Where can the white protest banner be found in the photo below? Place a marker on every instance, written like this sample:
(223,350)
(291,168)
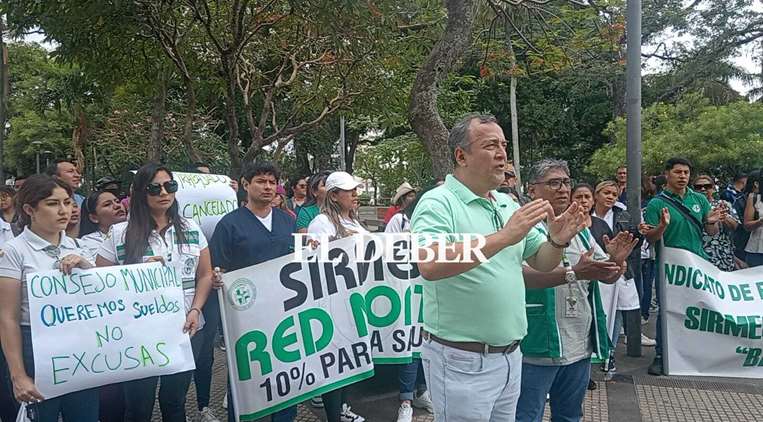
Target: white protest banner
(205,198)
(296,329)
(106,325)
(713,319)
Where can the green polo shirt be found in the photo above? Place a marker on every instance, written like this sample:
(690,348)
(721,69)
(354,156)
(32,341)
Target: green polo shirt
(306,215)
(681,232)
(487,303)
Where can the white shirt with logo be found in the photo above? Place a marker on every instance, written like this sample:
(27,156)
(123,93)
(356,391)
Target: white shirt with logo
(183,257)
(29,253)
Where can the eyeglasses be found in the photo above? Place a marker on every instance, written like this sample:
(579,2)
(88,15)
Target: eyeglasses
(556,184)
(155,189)
(703,186)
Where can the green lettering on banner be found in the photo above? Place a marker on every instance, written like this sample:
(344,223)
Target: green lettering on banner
(691,322)
(362,309)
(56,381)
(258,354)
(281,341)
(670,273)
(327,325)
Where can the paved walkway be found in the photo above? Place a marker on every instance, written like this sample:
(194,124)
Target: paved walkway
(630,396)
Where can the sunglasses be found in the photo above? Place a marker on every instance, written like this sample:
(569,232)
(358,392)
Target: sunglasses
(155,189)
(703,186)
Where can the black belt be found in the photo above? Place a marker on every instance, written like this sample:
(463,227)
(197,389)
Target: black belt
(473,346)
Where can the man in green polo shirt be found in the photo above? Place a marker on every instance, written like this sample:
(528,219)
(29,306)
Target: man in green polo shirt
(677,217)
(474,312)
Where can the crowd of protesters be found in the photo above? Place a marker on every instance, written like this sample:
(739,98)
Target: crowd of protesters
(505,336)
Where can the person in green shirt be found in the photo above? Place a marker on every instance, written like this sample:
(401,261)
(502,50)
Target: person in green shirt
(316,191)
(474,293)
(677,217)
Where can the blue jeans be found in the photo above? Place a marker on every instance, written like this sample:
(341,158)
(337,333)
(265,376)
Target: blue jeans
(565,384)
(411,379)
(647,279)
(202,376)
(474,387)
(80,406)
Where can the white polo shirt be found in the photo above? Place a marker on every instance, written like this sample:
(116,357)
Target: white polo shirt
(6,233)
(91,243)
(184,257)
(29,253)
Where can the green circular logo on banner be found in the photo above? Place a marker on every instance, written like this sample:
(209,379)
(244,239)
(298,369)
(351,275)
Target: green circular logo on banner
(242,294)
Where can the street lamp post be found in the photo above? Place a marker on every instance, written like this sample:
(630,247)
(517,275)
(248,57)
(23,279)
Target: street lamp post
(37,153)
(633,139)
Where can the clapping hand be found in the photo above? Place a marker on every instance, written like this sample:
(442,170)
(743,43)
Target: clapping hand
(620,246)
(588,269)
(525,218)
(566,226)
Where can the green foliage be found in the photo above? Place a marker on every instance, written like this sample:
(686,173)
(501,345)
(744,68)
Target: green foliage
(721,140)
(394,161)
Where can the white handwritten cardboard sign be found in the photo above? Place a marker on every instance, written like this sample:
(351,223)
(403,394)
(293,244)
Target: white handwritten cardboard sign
(106,325)
(205,198)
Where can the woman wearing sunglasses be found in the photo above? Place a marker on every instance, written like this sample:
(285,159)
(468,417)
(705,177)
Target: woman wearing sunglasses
(719,247)
(155,231)
(45,206)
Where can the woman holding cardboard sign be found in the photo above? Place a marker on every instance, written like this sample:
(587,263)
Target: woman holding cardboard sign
(155,231)
(45,206)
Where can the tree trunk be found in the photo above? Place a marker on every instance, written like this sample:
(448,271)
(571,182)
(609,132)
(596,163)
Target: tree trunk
(190,113)
(422,112)
(158,113)
(513,105)
(353,139)
(79,136)
(231,117)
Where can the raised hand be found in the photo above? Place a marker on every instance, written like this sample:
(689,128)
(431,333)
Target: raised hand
(524,219)
(665,218)
(588,269)
(566,226)
(620,246)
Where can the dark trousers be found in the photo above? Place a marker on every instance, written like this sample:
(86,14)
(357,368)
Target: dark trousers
(140,395)
(647,278)
(202,377)
(754,259)
(285,415)
(9,408)
(112,403)
(332,404)
(80,406)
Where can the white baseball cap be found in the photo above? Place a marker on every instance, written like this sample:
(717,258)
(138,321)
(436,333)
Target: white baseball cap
(341,180)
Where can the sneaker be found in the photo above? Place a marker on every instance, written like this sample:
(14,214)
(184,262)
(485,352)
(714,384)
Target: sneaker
(225,401)
(424,401)
(405,413)
(347,415)
(647,342)
(317,402)
(592,385)
(644,321)
(656,367)
(611,367)
(206,415)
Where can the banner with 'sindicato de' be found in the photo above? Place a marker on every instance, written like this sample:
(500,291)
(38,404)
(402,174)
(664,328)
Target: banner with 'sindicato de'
(714,319)
(106,325)
(298,328)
